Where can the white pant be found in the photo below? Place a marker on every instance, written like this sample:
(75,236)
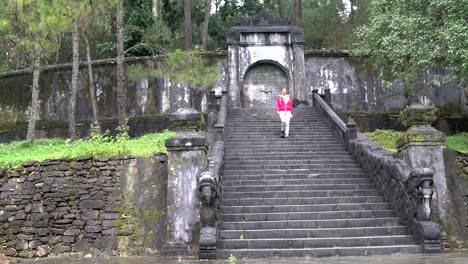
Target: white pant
(285,118)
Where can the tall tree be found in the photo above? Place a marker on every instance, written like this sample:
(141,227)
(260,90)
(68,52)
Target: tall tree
(74,84)
(298,13)
(92,86)
(34,108)
(155,8)
(281,8)
(206,23)
(408,38)
(34,25)
(121,92)
(188,24)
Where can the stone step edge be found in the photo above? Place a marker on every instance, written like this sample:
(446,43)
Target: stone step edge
(314,238)
(305,221)
(320,212)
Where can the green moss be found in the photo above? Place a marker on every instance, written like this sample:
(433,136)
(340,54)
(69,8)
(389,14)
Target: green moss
(16,153)
(458,142)
(387,139)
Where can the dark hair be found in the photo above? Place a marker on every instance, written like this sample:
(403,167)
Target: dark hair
(284,88)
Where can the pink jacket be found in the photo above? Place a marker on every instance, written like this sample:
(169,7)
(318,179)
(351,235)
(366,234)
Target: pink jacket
(281,106)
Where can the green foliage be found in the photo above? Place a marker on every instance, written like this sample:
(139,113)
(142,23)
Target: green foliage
(16,153)
(458,142)
(409,37)
(180,67)
(232,259)
(387,139)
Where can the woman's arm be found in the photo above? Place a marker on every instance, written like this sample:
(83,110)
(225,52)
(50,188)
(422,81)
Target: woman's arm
(292,109)
(277,104)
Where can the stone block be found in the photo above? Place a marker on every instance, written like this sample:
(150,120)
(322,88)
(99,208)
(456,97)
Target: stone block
(92,204)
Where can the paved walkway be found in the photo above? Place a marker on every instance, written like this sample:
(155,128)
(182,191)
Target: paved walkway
(447,258)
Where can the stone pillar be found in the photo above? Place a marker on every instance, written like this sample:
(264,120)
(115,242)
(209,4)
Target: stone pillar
(233,72)
(188,119)
(312,96)
(299,72)
(186,161)
(421,147)
(327,97)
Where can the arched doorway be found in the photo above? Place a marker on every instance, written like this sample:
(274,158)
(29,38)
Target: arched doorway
(262,83)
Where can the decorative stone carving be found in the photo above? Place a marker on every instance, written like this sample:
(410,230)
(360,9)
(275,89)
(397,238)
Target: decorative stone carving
(422,147)
(264,18)
(265,39)
(209,192)
(186,161)
(408,190)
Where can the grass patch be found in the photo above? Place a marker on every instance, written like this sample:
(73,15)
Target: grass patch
(458,142)
(14,154)
(387,139)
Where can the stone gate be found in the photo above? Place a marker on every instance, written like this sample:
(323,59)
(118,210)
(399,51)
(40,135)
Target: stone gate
(261,50)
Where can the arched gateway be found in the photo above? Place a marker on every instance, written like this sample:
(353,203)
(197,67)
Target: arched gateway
(265,53)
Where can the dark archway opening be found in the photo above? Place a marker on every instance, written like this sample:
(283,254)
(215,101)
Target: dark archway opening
(262,83)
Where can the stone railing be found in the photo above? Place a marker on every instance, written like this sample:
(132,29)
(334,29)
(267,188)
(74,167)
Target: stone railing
(408,190)
(210,188)
(344,131)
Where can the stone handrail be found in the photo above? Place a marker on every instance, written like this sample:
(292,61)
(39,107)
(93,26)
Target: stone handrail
(210,188)
(333,120)
(409,191)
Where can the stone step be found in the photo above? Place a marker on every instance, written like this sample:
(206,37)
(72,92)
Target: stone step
(229,172)
(282,157)
(301,200)
(290,147)
(273,127)
(314,233)
(281,166)
(303,193)
(304,208)
(301,224)
(291,162)
(316,242)
(281,142)
(289,151)
(318,252)
(318,176)
(298,187)
(326,215)
(287,181)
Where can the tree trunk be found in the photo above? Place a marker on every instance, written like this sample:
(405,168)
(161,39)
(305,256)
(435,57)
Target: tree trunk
(351,18)
(34,109)
(281,8)
(92,88)
(74,83)
(121,96)
(154,9)
(298,12)
(205,26)
(188,24)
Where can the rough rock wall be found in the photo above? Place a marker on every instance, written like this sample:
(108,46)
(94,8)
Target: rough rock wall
(104,206)
(354,84)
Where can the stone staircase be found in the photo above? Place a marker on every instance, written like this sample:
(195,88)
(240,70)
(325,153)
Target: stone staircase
(297,197)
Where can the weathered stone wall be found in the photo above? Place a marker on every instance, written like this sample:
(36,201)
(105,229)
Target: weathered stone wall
(138,126)
(104,206)
(354,84)
(370,121)
(147,97)
(457,181)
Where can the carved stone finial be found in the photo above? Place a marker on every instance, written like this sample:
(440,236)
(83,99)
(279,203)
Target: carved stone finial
(418,114)
(264,18)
